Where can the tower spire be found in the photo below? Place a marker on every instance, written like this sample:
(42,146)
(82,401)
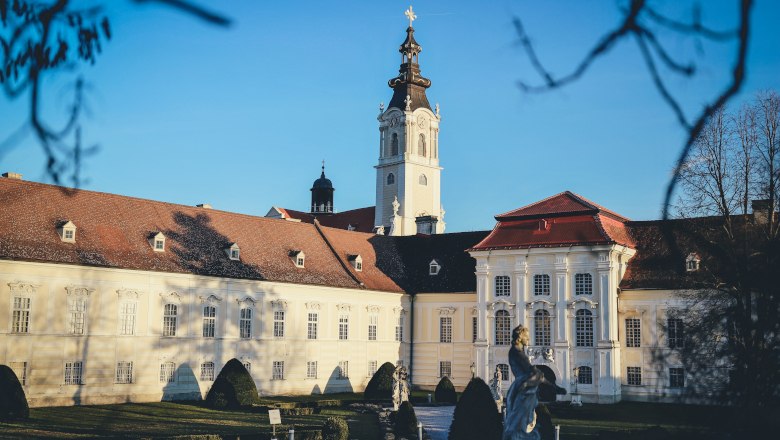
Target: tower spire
(409,82)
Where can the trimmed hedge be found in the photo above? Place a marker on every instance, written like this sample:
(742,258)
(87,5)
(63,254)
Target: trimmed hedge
(476,415)
(13,402)
(445,391)
(380,387)
(335,428)
(405,420)
(233,388)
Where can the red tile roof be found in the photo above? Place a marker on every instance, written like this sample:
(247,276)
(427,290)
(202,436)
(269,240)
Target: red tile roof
(361,219)
(564,219)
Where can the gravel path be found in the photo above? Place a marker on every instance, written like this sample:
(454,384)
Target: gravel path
(435,419)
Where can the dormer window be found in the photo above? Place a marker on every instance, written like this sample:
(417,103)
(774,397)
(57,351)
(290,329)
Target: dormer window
(67,232)
(158,242)
(357,262)
(233,252)
(692,262)
(434,267)
(299,258)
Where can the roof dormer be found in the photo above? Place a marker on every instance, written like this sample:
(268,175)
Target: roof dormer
(67,232)
(298,258)
(357,262)
(692,262)
(233,252)
(434,267)
(157,241)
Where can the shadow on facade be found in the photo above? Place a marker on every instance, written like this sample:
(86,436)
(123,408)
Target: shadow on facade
(338,384)
(184,386)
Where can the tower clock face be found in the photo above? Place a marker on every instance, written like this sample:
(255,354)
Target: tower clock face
(421,121)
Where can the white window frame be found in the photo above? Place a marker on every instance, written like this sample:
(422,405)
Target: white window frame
(445,329)
(158,242)
(692,262)
(77,315)
(247,365)
(503,327)
(542,284)
(128,313)
(373,323)
(311,369)
(277,370)
(633,332)
(585,379)
(168,372)
(583,328)
(234,252)
(502,286)
(542,328)
(279,324)
(372,367)
(312,325)
(434,268)
(634,376)
(67,232)
(399,329)
(343,326)
(676,373)
(245,315)
(170,320)
(474,328)
(21,310)
(445,369)
(209,321)
(583,283)
(20,370)
(207,371)
(124,372)
(343,372)
(74,373)
(504,369)
(675,333)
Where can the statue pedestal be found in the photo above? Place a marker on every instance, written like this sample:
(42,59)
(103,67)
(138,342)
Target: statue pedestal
(576,399)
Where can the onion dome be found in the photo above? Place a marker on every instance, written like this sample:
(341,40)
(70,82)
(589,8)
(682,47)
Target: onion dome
(409,84)
(322,194)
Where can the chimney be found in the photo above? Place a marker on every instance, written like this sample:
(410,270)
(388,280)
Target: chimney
(12,175)
(760,211)
(204,206)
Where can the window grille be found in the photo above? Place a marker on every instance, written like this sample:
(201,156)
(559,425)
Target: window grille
(209,321)
(372,367)
(502,286)
(169,320)
(503,327)
(311,331)
(399,329)
(127,313)
(73,373)
(167,372)
(583,328)
(542,330)
(207,371)
(390,179)
(373,321)
(77,312)
(279,323)
(542,284)
(343,369)
(20,369)
(473,329)
(20,320)
(445,329)
(124,372)
(583,284)
(633,332)
(504,369)
(278,370)
(585,375)
(634,376)
(675,332)
(677,377)
(311,370)
(343,327)
(445,369)
(245,323)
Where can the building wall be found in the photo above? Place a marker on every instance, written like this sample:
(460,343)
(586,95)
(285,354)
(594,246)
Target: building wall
(48,345)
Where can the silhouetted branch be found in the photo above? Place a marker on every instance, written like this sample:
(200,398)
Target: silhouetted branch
(193,9)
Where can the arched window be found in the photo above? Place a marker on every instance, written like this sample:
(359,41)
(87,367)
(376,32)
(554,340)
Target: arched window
(504,369)
(394,145)
(585,375)
(503,327)
(542,328)
(583,328)
(583,284)
(421,149)
(542,284)
(390,179)
(423,180)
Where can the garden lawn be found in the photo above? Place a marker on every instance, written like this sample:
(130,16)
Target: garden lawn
(165,419)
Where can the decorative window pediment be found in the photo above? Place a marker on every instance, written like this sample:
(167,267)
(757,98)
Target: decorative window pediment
(233,252)
(313,306)
(279,304)
(298,258)
(79,290)
(21,288)
(501,304)
(357,262)
(171,297)
(540,303)
(585,301)
(399,311)
(128,293)
(446,311)
(211,299)
(67,232)
(343,307)
(246,301)
(372,308)
(157,241)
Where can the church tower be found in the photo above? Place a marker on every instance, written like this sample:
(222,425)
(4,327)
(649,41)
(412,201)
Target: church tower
(408,175)
(322,194)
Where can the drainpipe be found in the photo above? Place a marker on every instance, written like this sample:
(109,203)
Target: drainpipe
(411,340)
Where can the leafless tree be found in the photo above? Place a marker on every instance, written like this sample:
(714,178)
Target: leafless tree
(45,38)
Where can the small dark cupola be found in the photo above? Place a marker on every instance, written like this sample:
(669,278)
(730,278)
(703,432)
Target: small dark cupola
(409,85)
(322,194)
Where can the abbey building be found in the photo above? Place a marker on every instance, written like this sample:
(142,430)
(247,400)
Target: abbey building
(108,298)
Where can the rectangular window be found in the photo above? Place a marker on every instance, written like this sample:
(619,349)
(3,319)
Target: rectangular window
(124,372)
(445,329)
(245,323)
(541,284)
(247,365)
(583,284)
(73,372)
(633,332)
(209,321)
(169,319)
(278,370)
(343,327)
(373,321)
(167,372)
(207,371)
(399,329)
(20,321)
(159,245)
(279,324)
(677,377)
(20,369)
(445,369)
(634,376)
(311,370)
(311,331)
(674,328)
(372,366)
(504,369)
(77,314)
(503,285)
(343,369)
(127,311)
(474,329)
(585,375)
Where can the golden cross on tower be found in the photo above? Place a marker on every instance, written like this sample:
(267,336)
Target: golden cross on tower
(410,14)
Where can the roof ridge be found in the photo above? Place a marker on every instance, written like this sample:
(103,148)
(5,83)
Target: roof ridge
(336,254)
(531,204)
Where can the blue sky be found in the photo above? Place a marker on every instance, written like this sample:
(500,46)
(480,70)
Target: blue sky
(241,117)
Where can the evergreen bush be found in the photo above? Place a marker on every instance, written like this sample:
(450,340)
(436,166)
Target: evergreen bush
(445,391)
(13,402)
(335,428)
(380,387)
(233,388)
(405,420)
(476,415)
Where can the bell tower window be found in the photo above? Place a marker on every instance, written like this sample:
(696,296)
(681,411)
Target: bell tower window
(421,149)
(423,180)
(394,145)
(391,179)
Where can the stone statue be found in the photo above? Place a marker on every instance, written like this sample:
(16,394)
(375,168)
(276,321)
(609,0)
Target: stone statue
(437,109)
(522,396)
(408,102)
(400,386)
(381,107)
(496,388)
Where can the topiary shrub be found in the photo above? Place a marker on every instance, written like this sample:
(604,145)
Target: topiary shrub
(335,428)
(405,420)
(380,387)
(13,402)
(445,391)
(476,415)
(233,388)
